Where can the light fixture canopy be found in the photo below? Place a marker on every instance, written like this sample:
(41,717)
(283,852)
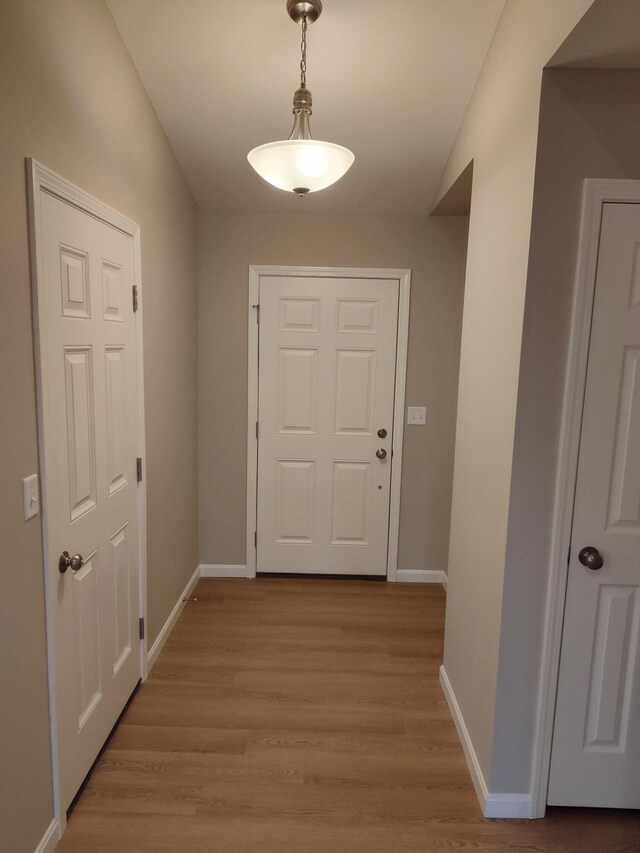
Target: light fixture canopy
(301,164)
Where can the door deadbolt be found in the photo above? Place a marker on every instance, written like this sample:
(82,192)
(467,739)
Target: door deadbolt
(382,433)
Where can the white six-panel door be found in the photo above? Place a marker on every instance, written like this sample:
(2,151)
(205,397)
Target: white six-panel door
(596,742)
(88,372)
(327,360)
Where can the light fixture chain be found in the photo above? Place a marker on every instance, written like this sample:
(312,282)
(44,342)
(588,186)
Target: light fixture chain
(303,49)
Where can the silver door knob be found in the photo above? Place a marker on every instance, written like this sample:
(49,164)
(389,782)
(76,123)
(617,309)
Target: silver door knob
(381,453)
(591,558)
(75,563)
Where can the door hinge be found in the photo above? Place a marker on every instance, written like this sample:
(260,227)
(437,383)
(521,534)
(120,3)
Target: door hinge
(139,469)
(256,429)
(135,297)
(255,539)
(141,627)
(257,307)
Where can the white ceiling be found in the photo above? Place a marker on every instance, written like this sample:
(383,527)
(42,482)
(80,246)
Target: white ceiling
(389,80)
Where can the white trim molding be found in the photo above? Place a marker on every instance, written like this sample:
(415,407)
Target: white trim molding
(218,571)
(445,580)
(49,840)
(419,576)
(173,617)
(492,804)
(403,277)
(596,193)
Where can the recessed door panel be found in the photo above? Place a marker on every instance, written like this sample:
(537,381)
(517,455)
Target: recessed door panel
(624,503)
(120,565)
(112,292)
(355,391)
(298,314)
(298,390)
(86,613)
(74,283)
(634,299)
(117,425)
(295,506)
(80,430)
(359,316)
(350,516)
(615,652)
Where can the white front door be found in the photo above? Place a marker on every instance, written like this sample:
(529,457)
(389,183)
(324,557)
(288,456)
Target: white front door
(88,373)
(327,360)
(595,758)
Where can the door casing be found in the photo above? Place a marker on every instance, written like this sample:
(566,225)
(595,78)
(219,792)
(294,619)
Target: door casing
(41,179)
(403,276)
(596,193)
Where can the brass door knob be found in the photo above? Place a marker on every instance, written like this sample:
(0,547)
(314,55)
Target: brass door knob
(74,563)
(591,558)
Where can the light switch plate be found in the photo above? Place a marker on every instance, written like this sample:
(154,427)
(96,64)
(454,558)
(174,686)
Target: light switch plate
(417,415)
(30,496)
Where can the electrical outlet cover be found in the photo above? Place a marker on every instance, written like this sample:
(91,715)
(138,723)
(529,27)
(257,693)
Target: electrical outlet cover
(417,415)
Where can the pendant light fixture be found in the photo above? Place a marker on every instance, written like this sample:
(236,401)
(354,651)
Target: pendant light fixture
(301,164)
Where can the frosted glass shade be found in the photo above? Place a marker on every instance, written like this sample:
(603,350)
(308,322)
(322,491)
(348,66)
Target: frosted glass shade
(301,165)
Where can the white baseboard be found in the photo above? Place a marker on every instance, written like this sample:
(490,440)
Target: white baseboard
(214,571)
(493,805)
(508,805)
(162,637)
(418,576)
(49,840)
(445,580)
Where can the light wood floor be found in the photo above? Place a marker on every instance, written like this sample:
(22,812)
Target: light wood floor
(305,716)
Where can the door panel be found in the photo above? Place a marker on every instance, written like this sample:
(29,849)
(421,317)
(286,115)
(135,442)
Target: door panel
(355,392)
(86,623)
(298,390)
(89,425)
(81,442)
(123,617)
(624,501)
(327,351)
(351,515)
(596,743)
(296,499)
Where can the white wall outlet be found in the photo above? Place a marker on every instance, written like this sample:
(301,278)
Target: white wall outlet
(417,415)
(30,496)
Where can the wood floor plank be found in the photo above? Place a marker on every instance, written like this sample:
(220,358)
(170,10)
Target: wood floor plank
(305,716)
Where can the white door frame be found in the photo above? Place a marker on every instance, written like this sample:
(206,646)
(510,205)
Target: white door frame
(596,193)
(402,276)
(40,179)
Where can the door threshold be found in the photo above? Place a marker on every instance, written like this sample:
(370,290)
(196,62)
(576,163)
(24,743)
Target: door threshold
(321,576)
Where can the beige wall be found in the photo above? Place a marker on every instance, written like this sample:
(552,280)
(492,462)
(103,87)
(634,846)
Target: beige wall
(589,128)
(434,249)
(71,98)
(499,133)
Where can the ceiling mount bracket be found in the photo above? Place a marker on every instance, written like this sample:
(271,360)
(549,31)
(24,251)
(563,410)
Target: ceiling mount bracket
(298,9)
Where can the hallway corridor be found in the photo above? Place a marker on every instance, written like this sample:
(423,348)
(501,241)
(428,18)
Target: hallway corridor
(305,716)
